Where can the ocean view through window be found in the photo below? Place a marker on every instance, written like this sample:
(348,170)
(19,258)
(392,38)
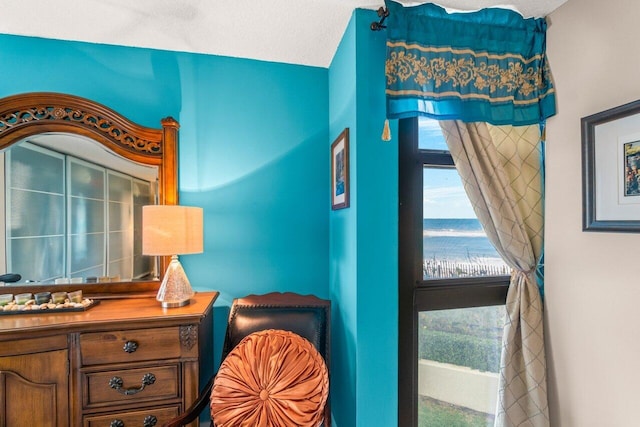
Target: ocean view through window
(454,282)
(454,243)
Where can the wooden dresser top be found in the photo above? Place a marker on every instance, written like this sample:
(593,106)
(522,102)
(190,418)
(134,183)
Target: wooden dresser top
(129,313)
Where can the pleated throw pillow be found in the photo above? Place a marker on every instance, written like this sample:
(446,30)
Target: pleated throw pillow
(272,378)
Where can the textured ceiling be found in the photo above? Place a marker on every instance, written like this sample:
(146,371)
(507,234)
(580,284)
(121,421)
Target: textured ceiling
(303,32)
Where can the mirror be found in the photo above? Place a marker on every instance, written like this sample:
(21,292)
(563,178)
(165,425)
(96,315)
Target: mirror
(83,129)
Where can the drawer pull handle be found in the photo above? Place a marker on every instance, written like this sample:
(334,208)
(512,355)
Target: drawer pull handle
(130,347)
(150,421)
(117,384)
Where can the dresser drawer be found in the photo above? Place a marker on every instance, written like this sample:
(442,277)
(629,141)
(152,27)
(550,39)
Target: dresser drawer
(129,346)
(140,418)
(130,385)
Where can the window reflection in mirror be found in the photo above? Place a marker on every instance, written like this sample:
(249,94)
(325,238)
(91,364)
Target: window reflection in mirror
(73,212)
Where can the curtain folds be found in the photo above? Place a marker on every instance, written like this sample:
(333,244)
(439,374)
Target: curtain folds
(500,167)
(486,77)
(487,66)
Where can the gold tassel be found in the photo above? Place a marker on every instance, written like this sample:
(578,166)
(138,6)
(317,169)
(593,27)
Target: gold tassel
(386,132)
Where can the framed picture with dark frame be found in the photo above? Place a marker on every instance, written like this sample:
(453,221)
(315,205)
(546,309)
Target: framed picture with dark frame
(611,170)
(340,171)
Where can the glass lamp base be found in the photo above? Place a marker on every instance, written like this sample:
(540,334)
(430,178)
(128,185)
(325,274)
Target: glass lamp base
(166,304)
(175,290)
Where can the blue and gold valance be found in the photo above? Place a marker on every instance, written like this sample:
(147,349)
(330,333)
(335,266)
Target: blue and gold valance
(487,66)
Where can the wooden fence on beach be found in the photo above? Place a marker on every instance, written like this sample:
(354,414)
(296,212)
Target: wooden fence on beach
(443,269)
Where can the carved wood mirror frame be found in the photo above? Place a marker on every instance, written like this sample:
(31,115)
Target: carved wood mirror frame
(30,114)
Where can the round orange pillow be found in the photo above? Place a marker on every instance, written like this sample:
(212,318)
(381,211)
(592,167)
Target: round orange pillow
(272,378)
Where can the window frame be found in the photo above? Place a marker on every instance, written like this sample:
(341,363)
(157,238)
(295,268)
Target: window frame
(416,294)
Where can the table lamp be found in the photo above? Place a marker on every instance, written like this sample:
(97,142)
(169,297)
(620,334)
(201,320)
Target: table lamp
(172,230)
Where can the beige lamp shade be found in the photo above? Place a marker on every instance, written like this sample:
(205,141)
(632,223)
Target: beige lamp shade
(172,230)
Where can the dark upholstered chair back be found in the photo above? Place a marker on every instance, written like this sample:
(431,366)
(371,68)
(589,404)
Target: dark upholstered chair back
(305,315)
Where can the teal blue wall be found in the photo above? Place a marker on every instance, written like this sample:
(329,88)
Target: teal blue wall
(252,151)
(377,235)
(142,84)
(364,238)
(343,275)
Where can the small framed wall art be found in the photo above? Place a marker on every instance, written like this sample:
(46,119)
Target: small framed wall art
(611,170)
(340,171)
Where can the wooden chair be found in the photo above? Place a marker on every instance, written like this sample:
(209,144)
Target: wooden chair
(305,315)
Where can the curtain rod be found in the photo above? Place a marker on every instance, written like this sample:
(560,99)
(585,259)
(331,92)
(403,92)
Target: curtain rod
(382,13)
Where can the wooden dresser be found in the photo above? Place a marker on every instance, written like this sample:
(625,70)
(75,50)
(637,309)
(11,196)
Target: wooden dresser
(122,363)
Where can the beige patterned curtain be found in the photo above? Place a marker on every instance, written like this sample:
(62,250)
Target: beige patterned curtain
(500,167)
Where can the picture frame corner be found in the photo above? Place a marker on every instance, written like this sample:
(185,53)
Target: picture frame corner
(340,183)
(610,172)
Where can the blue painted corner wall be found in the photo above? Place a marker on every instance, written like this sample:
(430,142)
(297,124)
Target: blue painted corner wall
(254,153)
(363,272)
(343,274)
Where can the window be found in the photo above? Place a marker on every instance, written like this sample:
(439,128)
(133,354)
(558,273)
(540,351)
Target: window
(452,289)
(106,207)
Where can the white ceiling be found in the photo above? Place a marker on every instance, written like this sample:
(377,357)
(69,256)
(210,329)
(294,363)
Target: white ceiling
(303,32)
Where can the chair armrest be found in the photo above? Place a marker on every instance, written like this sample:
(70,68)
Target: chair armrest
(195,409)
